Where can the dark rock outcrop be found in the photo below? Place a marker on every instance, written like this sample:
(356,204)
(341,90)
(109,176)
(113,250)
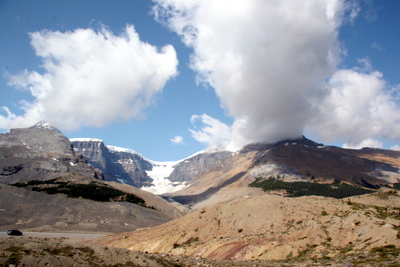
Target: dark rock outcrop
(118,165)
(39,153)
(187,170)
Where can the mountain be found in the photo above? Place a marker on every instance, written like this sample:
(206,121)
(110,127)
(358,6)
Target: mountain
(188,169)
(118,165)
(39,153)
(205,179)
(129,167)
(70,193)
(264,202)
(300,160)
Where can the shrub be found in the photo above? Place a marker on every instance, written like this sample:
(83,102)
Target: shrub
(94,191)
(297,189)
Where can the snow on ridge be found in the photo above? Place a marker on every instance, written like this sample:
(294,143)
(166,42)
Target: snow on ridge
(85,140)
(121,149)
(160,172)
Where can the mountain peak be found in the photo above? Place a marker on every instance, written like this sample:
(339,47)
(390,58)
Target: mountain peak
(44,125)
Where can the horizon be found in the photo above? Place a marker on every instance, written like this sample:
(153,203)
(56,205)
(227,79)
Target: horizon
(169,78)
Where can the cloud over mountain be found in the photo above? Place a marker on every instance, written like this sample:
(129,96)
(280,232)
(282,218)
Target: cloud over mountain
(275,66)
(91,78)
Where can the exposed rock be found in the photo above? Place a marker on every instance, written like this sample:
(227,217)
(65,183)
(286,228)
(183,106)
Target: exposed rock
(187,170)
(291,160)
(39,153)
(117,165)
(134,165)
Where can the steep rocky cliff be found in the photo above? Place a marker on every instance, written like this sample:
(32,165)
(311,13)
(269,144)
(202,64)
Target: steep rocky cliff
(118,165)
(188,169)
(39,153)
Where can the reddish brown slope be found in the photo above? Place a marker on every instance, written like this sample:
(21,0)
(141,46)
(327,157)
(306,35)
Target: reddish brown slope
(273,227)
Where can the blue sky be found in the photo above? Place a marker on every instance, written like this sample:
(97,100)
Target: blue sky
(193,75)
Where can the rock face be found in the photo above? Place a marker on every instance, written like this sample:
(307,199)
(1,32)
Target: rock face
(39,153)
(190,168)
(129,167)
(118,165)
(134,165)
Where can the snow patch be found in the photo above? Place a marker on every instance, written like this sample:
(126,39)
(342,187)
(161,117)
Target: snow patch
(85,140)
(121,149)
(160,173)
(121,181)
(273,170)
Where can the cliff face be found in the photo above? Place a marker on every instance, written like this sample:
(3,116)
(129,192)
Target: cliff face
(39,154)
(187,170)
(117,165)
(133,164)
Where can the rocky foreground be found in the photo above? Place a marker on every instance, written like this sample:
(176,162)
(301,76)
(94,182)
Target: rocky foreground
(33,251)
(275,228)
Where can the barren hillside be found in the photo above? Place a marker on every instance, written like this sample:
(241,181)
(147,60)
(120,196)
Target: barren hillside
(25,209)
(273,227)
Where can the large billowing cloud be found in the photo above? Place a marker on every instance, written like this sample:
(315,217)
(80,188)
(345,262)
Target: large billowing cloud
(274,66)
(91,78)
(358,110)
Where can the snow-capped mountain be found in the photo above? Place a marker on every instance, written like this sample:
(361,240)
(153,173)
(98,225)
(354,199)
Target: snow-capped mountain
(44,125)
(117,165)
(129,167)
(39,153)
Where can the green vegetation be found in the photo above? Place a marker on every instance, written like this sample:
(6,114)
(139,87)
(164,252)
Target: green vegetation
(396,186)
(388,250)
(296,189)
(377,211)
(94,191)
(187,242)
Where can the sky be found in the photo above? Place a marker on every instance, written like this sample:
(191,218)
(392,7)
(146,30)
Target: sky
(168,78)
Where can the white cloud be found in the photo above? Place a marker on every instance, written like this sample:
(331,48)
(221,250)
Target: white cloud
(178,140)
(357,110)
(274,67)
(92,78)
(395,147)
(6,119)
(377,46)
(213,133)
(365,143)
(264,59)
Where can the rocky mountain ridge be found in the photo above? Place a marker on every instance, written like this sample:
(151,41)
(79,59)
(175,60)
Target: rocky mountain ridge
(229,219)
(129,167)
(123,166)
(42,159)
(290,160)
(225,175)
(39,153)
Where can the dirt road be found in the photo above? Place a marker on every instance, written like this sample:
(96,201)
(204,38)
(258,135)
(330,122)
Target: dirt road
(55,235)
